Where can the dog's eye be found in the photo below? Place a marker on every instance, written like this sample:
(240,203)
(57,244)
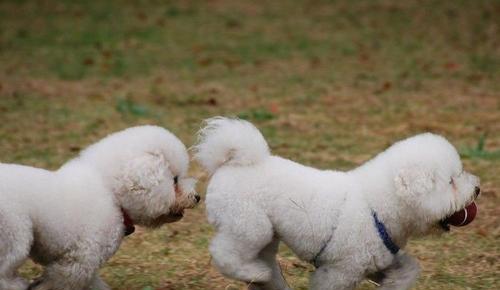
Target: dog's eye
(451,180)
(176,179)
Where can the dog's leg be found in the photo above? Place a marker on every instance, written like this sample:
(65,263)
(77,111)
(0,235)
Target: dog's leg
(98,284)
(15,242)
(11,283)
(402,274)
(335,277)
(8,274)
(71,273)
(268,256)
(237,258)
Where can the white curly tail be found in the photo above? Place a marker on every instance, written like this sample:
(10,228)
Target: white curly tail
(225,141)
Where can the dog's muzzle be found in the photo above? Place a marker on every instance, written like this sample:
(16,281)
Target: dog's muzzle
(462,217)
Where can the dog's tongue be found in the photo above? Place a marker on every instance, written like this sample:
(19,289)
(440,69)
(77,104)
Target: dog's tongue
(463,217)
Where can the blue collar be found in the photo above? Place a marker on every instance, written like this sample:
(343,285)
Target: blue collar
(384,235)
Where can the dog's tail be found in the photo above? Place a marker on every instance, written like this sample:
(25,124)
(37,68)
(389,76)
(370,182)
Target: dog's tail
(225,141)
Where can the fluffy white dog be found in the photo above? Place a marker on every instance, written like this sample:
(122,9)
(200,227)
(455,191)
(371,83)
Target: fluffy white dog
(350,225)
(72,220)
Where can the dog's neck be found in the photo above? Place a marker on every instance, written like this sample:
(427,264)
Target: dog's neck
(397,217)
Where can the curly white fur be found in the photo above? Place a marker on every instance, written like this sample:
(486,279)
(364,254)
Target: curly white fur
(70,220)
(231,142)
(255,200)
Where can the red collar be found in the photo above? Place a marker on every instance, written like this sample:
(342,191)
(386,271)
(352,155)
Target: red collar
(128,223)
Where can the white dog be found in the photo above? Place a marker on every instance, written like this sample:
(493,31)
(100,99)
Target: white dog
(72,220)
(350,225)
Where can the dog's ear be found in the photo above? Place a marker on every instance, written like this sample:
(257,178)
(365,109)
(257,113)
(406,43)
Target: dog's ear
(145,171)
(414,180)
(146,184)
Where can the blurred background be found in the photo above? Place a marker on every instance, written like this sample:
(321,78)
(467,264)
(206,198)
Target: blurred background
(330,84)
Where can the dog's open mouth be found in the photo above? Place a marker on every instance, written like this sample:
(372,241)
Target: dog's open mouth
(460,218)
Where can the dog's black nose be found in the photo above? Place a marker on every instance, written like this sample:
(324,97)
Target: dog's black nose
(198,198)
(477,191)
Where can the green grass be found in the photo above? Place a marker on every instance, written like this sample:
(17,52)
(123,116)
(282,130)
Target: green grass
(479,151)
(329,83)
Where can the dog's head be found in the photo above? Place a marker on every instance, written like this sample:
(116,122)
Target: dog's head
(146,169)
(154,190)
(430,180)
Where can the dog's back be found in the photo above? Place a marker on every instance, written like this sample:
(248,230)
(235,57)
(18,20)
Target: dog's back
(50,204)
(19,183)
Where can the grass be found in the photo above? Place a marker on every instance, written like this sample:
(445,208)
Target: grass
(330,83)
